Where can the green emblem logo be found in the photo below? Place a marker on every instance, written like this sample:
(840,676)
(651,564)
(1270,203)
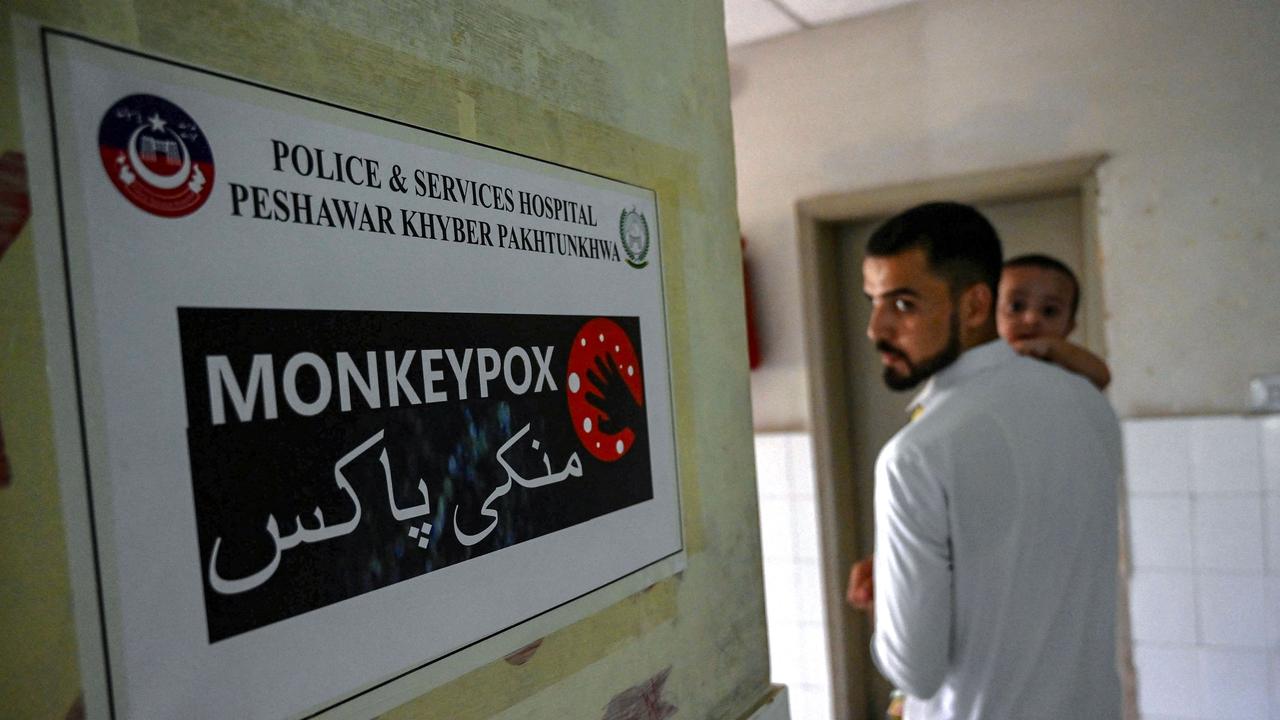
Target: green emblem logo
(633,229)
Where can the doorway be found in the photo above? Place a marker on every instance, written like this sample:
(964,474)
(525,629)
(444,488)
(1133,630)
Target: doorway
(1048,208)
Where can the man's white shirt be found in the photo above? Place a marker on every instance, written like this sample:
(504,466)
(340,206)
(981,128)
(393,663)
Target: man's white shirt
(995,558)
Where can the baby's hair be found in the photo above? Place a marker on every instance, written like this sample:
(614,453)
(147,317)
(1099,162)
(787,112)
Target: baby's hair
(1044,262)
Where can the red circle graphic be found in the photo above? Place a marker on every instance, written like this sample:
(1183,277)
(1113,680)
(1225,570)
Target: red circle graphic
(599,343)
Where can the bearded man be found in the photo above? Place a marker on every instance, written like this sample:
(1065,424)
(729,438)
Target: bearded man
(995,508)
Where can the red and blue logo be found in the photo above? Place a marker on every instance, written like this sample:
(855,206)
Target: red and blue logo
(156,155)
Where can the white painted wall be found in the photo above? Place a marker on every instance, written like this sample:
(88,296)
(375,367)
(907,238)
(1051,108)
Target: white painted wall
(1184,97)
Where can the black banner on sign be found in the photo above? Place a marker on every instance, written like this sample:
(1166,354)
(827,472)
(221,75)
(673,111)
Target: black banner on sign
(334,453)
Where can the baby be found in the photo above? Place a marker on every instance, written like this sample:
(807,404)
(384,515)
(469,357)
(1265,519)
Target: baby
(1036,311)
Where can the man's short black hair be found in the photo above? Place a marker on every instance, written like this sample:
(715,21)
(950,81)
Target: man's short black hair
(1044,262)
(959,244)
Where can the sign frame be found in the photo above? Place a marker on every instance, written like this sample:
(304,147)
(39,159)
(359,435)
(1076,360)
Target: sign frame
(79,432)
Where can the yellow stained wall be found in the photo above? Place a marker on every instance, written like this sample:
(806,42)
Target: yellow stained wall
(634,91)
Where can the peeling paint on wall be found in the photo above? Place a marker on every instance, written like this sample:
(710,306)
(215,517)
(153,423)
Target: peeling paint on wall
(642,702)
(466,115)
(561,654)
(524,654)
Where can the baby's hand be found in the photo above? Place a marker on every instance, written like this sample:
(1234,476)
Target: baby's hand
(1069,356)
(1041,347)
(862,589)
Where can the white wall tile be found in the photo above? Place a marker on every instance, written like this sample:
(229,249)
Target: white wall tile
(1232,610)
(813,639)
(799,701)
(1271,589)
(820,707)
(1157,455)
(1225,455)
(776,536)
(1275,685)
(808,589)
(1168,680)
(800,464)
(788,530)
(1234,683)
(781,608)
(771,466)
(821,682)
(1270,439)
(1227,532)
(1160,531)
(1271,524)
(809,701)
(803,657)
(795,703)
(1162,607)
(783,636)
(785,657)
(804,529)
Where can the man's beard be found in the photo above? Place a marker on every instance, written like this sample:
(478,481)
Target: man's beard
(917,373)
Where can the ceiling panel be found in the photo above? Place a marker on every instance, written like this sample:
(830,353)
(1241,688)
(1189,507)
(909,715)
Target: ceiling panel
(747,21)
(819,12)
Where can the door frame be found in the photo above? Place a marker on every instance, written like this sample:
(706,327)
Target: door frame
(841,542)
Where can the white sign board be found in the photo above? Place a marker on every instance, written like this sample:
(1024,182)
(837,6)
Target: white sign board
(344,407)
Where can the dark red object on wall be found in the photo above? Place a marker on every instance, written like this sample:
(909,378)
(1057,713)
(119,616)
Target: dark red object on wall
(753,342)
(5,478)
(15,204)
(15,208)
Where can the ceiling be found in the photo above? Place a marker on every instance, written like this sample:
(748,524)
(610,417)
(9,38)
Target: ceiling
(747,21)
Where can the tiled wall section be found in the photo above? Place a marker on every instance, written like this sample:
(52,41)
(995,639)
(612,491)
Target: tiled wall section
(1204,505)
(792,586)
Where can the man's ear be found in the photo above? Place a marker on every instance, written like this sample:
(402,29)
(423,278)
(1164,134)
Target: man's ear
(977,303)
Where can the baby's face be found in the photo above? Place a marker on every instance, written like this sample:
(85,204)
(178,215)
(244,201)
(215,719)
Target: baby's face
(1034,302)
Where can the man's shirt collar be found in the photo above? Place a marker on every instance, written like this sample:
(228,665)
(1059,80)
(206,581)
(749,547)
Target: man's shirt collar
(970,363)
